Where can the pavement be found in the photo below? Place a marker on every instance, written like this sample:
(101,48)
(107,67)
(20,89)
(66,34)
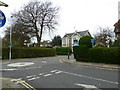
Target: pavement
(15,83)
(95,65)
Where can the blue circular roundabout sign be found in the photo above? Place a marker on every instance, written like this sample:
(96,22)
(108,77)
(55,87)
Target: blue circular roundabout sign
(2,19)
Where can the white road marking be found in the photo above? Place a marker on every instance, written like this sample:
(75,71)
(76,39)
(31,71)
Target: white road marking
(44,61)
(47,75)
(30,76)
(20,64)
(91,77)
(33,67)
(54,70)
(86,86)
(8,69)
(58,72)
(33,78)
(19,79)
(41,73)
(13,69)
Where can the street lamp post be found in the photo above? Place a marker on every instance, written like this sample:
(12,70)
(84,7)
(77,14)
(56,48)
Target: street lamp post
(10,45)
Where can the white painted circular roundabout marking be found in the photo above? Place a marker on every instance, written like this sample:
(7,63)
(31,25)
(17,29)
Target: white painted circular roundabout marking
(20,64)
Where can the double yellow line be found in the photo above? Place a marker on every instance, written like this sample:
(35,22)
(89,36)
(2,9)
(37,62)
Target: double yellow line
(23,83)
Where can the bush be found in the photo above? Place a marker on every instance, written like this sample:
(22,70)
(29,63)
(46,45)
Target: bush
(104,55)
(98,54)
(86,40)
(63,50)
(80,52)
(30,52)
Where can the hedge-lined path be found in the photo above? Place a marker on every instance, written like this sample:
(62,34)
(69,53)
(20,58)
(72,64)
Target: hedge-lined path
(50,72)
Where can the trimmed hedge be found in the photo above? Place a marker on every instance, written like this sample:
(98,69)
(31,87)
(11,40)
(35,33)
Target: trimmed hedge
(80,51)
(63,50)
(30,52)
(98,54)
(105,55)
(86,40)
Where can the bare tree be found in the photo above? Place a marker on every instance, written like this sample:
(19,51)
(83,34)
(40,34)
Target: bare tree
(19,37)
(104,36)
(37,17)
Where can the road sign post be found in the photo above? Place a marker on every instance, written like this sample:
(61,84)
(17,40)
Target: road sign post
(10,45)
(2,19)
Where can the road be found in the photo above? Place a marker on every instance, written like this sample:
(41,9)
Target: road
(51,72)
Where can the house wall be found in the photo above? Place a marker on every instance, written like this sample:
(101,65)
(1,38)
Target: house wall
(75,37)
(68,41)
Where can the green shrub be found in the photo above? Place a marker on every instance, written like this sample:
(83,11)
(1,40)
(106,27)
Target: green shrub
(30,52)
(104,55)
(63,50)
(98,54)
(80,52)
(86,40)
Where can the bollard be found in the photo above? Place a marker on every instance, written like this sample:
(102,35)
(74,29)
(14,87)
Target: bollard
(68,55)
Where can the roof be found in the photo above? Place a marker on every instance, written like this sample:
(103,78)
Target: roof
(82,33)
(117,25)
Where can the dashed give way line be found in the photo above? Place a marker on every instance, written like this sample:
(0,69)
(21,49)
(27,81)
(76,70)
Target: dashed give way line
(86,86)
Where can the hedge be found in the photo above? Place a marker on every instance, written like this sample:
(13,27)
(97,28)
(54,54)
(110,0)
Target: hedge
(105,55)
(86,40)
(63,50)
(98,54)
(80,51)
(30,52)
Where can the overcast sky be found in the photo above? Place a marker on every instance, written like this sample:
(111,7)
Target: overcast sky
(77,15)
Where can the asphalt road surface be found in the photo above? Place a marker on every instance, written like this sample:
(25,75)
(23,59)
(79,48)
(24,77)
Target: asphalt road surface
(51,72)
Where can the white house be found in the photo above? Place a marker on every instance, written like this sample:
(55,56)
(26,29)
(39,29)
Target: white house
(70,39)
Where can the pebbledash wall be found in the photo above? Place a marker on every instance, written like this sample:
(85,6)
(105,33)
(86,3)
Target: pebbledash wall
(70,39)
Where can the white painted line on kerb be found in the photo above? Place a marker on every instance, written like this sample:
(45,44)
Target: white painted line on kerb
(47,75)
(86,86)
(61,61)
(91,77)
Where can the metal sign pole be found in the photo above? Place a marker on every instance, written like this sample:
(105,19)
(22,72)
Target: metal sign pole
(10,54)
(92,41)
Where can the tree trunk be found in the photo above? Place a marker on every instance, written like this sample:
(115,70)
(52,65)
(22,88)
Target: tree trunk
(40,37)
